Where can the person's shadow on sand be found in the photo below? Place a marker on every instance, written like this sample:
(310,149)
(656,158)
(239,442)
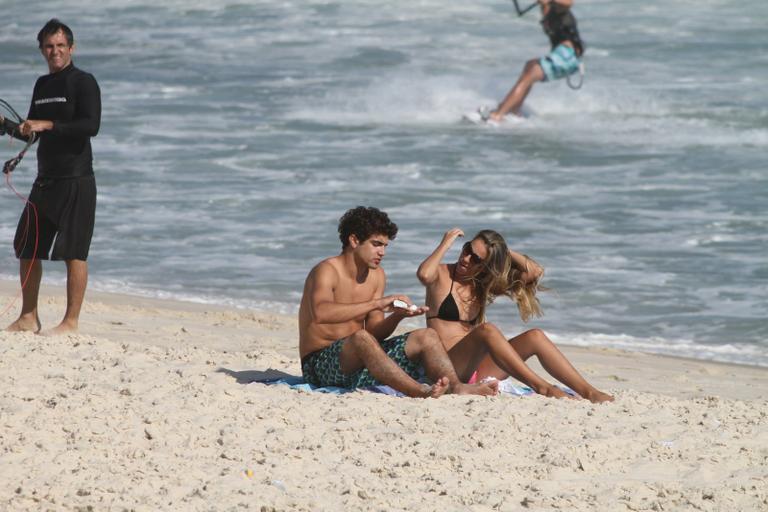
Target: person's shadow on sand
(248,376)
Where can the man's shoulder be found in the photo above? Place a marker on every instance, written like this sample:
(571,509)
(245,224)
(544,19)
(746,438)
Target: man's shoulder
(69,75)
(80,75)
(326,266)
(378,273)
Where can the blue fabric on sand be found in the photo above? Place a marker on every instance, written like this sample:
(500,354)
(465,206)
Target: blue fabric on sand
(507,386)
(300,384)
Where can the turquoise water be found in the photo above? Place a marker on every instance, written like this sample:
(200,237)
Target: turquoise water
(235,134)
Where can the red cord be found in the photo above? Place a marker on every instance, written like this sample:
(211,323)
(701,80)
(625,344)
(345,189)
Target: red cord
(24,243)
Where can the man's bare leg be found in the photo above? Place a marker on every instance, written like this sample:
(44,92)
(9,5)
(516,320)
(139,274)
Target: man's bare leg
(28,319)
(535,342)
(77,281)
(361,350)
(514,99)
(486,349)
(424,345)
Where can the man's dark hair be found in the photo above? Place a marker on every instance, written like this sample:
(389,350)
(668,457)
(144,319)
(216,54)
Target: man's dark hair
(51,28)
(365,222)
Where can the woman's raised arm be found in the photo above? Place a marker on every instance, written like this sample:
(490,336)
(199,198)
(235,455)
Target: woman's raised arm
(529,269)
(428,270)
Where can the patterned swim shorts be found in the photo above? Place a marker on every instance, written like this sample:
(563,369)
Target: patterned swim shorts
(562,61)
(323,368)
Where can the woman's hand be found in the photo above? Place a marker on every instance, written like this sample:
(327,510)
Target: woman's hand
(429,268)
(451,235)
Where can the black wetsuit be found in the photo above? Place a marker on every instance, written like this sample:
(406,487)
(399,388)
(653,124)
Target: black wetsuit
(72,100)
(560,25)
(65,190)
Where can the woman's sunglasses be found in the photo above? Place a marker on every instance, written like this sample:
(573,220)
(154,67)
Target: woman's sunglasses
(473,258)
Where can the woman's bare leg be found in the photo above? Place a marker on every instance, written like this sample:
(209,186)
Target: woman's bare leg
(487,342)
(535,342)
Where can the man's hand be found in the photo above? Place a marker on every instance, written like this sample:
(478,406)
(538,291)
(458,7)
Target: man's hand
(31,126)
(387,304)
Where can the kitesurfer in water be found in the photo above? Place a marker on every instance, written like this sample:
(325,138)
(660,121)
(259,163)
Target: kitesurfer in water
(563,60)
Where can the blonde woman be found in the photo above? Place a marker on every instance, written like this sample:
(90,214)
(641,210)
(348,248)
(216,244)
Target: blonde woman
(458,295)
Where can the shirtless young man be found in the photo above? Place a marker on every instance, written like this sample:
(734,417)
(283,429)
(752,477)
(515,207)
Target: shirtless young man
(343,330)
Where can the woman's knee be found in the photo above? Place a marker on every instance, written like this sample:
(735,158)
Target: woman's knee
(537,336)
(488,330)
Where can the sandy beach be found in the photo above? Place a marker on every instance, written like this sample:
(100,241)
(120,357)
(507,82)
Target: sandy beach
(152,407)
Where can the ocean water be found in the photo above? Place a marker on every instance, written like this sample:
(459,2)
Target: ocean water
(236,133)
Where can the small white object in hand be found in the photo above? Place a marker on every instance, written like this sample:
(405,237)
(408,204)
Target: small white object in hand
(404,305)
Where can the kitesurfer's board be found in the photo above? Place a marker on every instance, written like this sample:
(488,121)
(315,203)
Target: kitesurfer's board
(474,117)
(480,116)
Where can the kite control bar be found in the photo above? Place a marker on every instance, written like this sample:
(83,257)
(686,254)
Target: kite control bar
(521,12)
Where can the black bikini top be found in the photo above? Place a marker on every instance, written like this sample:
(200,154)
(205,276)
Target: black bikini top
(449,310)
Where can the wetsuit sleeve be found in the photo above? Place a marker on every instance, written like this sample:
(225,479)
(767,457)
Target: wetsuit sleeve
(12,129)
(87,118)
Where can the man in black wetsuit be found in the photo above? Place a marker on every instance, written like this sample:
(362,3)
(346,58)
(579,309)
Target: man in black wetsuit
(65,113)
(564,59)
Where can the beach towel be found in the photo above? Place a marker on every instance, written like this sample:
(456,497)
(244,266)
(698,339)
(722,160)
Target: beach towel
(507,386)
(298,383)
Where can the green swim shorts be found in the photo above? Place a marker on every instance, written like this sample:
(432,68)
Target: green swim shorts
(323,368)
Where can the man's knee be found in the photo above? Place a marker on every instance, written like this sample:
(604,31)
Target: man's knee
(531,65)
(532,71)
(423,338)
(361,338)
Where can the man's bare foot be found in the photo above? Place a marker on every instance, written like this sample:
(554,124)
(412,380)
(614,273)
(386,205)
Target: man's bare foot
(437,389)
(488,388)
(62,328)
(598,397)
(25,324)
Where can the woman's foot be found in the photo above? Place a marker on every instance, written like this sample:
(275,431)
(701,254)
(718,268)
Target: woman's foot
(489,388)
(552,391)
(597,397)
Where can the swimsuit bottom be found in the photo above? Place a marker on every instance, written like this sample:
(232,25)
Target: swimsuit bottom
(561,62)
(323,367)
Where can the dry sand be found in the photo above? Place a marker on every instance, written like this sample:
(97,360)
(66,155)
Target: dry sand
(150,408)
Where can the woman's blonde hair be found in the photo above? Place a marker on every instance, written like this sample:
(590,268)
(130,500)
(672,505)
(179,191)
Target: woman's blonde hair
(499,275)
